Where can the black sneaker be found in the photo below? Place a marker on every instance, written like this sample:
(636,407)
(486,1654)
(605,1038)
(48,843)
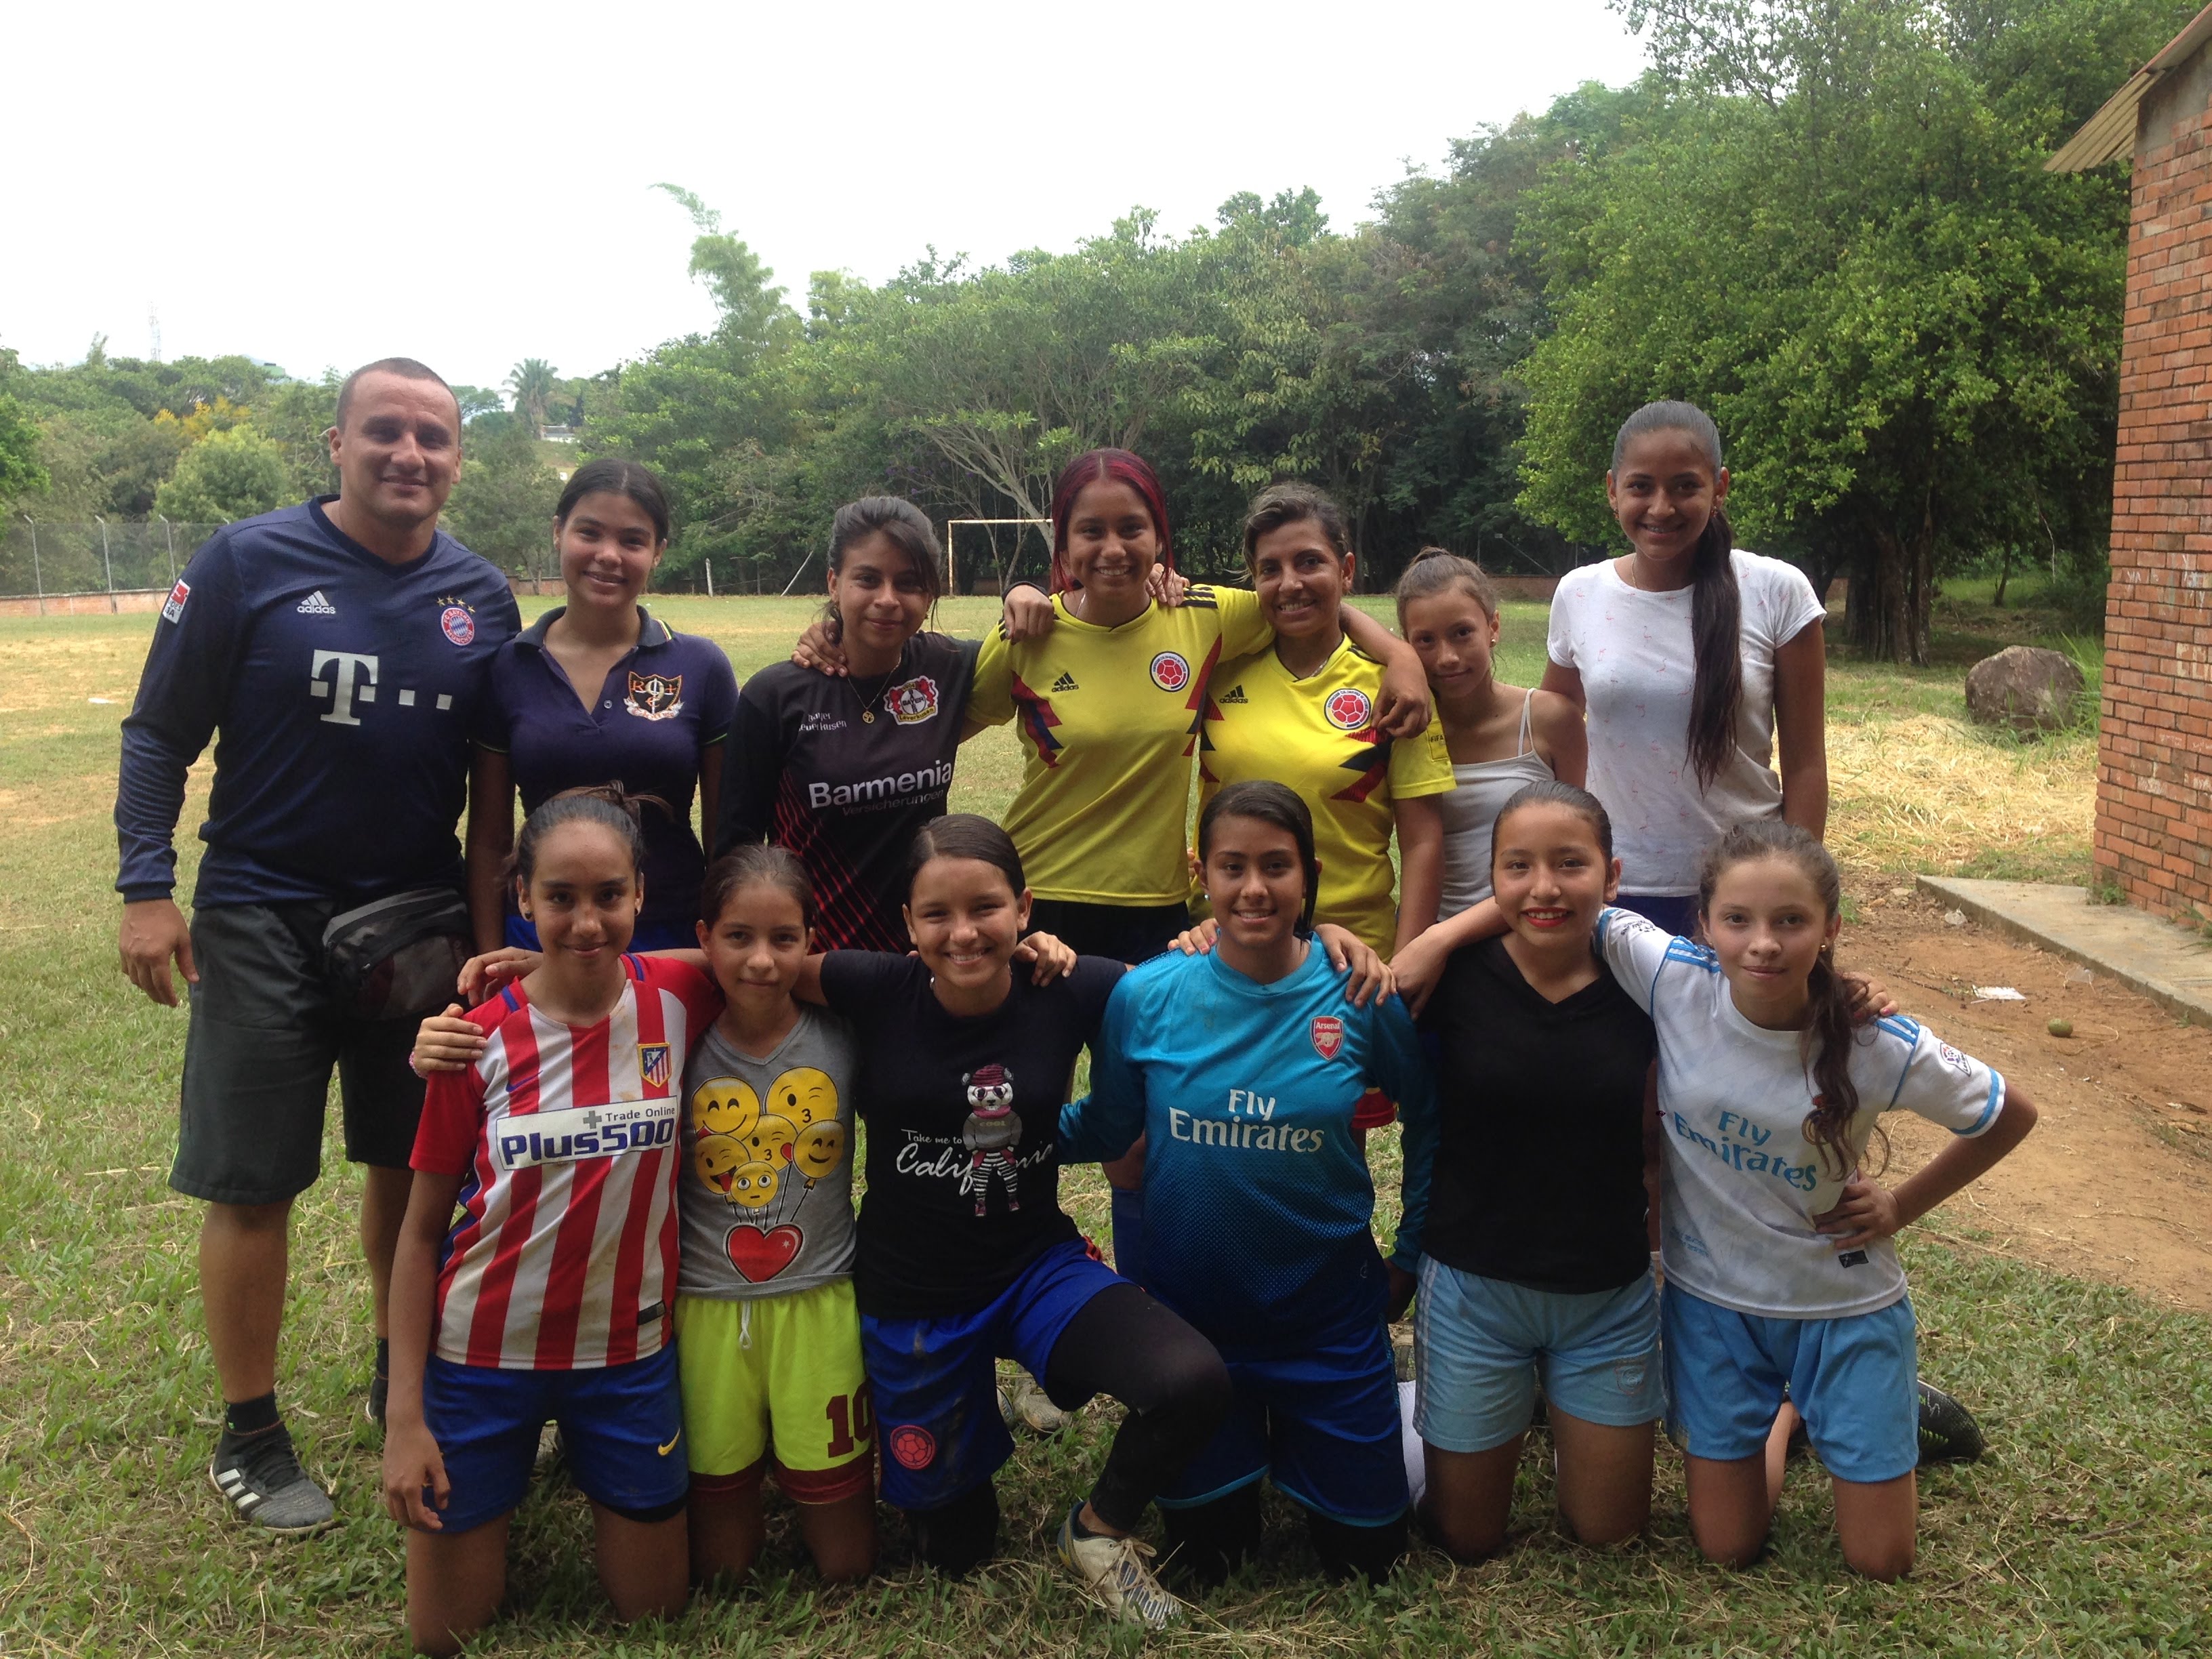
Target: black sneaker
(260,1478)
(1949,1433)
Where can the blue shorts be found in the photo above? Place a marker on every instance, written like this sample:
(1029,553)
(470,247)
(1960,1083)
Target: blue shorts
(1481,1345)
(936,1387)
(1852,1378)
(1324,1425)
(622,1427)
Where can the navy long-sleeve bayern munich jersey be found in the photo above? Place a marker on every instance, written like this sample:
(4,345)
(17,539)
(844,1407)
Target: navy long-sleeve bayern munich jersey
(1257,1197)
(343,688)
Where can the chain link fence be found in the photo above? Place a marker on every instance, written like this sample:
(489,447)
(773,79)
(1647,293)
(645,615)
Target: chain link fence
(40,560)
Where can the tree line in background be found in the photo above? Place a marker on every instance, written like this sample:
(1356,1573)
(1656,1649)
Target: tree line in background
(1826,221)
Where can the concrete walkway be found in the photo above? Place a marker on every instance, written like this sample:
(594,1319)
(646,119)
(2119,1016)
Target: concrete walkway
(2168,964)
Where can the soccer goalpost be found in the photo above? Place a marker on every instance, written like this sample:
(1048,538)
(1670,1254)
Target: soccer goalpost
(952,526)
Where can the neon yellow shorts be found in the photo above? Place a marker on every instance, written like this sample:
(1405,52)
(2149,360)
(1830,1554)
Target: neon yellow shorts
(781,1375)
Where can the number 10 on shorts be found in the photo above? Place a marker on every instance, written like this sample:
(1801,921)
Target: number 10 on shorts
(851,1422)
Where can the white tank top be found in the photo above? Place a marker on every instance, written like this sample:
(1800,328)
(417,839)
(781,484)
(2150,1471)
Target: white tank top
(1471,813)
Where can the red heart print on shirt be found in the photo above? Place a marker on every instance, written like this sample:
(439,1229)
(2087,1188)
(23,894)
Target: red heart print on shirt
(761,1255)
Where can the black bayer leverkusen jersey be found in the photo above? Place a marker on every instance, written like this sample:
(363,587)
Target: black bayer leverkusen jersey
(843,772)
(962,1117)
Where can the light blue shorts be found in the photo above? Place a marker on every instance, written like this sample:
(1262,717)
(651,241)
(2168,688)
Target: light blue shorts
(1852,1378)
(1480,1346)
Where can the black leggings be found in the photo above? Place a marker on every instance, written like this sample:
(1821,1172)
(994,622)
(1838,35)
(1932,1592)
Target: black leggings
(1208,1541)
(1125,1345)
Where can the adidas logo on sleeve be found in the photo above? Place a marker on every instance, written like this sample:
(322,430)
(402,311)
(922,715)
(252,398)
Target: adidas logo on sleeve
(316,606)
(1065,683)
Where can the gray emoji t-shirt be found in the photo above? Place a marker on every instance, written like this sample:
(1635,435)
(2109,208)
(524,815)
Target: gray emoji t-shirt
(766,1188)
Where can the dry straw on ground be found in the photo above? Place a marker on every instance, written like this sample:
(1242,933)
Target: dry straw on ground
(1920,791)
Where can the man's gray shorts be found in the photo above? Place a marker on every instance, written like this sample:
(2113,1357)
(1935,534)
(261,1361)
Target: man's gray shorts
(265,1032)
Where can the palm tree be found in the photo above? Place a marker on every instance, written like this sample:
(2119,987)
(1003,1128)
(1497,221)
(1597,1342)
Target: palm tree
(533,381)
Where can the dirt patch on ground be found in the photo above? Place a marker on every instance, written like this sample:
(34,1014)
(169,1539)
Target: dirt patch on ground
(2116,1182)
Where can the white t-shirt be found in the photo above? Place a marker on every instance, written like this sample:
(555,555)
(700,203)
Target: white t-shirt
(1633,652)
(1742,1183)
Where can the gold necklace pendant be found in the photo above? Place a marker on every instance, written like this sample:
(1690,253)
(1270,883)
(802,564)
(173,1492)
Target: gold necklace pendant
(868,716)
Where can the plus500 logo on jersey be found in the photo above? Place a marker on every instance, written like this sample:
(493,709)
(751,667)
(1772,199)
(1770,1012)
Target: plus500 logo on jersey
(563,1137)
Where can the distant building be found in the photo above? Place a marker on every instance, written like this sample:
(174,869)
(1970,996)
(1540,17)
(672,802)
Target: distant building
(2154,749)
(558,434)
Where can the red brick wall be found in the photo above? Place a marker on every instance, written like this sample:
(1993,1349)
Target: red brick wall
(2155,755)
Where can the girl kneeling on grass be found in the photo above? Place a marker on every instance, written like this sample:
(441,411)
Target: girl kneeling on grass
(1534,1263)
(548,1297)
(1781,1278)
(1244,1070)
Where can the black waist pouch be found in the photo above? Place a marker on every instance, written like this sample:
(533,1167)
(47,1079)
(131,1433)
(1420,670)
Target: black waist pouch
(398,957)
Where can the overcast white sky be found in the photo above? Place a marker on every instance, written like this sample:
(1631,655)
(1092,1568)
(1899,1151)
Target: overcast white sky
(470,182)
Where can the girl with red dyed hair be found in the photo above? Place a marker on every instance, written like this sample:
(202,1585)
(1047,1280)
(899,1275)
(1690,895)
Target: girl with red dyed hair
(1108,689)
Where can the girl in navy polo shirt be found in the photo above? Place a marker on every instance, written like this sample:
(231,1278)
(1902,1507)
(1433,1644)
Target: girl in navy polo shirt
(599,691)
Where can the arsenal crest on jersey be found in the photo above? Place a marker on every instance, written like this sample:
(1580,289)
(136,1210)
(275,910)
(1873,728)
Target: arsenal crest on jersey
(1349,710)
(1327,1035)
(913,702)
(655,697)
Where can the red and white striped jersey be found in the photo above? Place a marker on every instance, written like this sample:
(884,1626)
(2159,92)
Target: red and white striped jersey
(565,1253)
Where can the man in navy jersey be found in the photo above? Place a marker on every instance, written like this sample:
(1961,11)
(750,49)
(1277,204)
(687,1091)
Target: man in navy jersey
(339,648)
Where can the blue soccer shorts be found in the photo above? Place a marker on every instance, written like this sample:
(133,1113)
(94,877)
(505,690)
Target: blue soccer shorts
(621,1429)
(1853,1378)
(1481,1345)
(1324,1424)
(935,1381)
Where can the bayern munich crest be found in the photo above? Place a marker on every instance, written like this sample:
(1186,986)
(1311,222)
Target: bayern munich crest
(1170,671)
(1349,710)
(455,623)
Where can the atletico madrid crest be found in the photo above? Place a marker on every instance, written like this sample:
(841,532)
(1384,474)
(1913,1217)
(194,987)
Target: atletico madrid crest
(653,1064)
(1327,1035)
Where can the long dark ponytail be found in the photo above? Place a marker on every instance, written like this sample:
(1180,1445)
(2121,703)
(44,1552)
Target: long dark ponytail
(1715,607)
(1830,1032)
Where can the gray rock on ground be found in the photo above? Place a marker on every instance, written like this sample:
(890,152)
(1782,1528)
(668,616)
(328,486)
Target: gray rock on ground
(2024,687)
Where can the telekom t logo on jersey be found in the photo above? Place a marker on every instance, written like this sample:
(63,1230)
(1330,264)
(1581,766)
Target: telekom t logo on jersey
(352,680)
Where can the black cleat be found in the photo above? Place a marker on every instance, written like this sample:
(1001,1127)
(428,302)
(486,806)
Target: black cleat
(1949,1433)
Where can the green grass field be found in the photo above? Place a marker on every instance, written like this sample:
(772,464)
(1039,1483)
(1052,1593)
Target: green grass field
(2084,1532)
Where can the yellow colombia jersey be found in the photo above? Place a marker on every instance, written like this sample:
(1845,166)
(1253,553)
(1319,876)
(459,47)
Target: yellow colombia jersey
(1317,736)
(1109,719)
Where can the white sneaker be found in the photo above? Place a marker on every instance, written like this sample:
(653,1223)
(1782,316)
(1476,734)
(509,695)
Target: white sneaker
(1033,1407)
(1116,1573)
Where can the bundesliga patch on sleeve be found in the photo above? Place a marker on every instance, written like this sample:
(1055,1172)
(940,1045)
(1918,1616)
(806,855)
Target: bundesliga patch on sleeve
(174,606)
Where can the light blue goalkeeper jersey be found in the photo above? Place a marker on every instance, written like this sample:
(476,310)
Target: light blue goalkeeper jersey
(1257,1197)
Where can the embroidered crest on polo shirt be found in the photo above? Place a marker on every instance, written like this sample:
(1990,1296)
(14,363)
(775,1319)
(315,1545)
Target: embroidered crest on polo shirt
(1170,671)
(913,702)
(1349,710)
(655,697)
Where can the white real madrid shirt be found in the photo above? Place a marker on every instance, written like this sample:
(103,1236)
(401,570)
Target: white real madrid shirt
(1742,1183)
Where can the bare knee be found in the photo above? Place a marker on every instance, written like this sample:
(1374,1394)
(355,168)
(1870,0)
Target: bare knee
(1462,1538)
(1602,1530)
(1886,1560)
(246,1218)
(1728,1546)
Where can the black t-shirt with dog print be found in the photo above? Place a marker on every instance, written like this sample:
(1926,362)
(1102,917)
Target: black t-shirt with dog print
(963,1122)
